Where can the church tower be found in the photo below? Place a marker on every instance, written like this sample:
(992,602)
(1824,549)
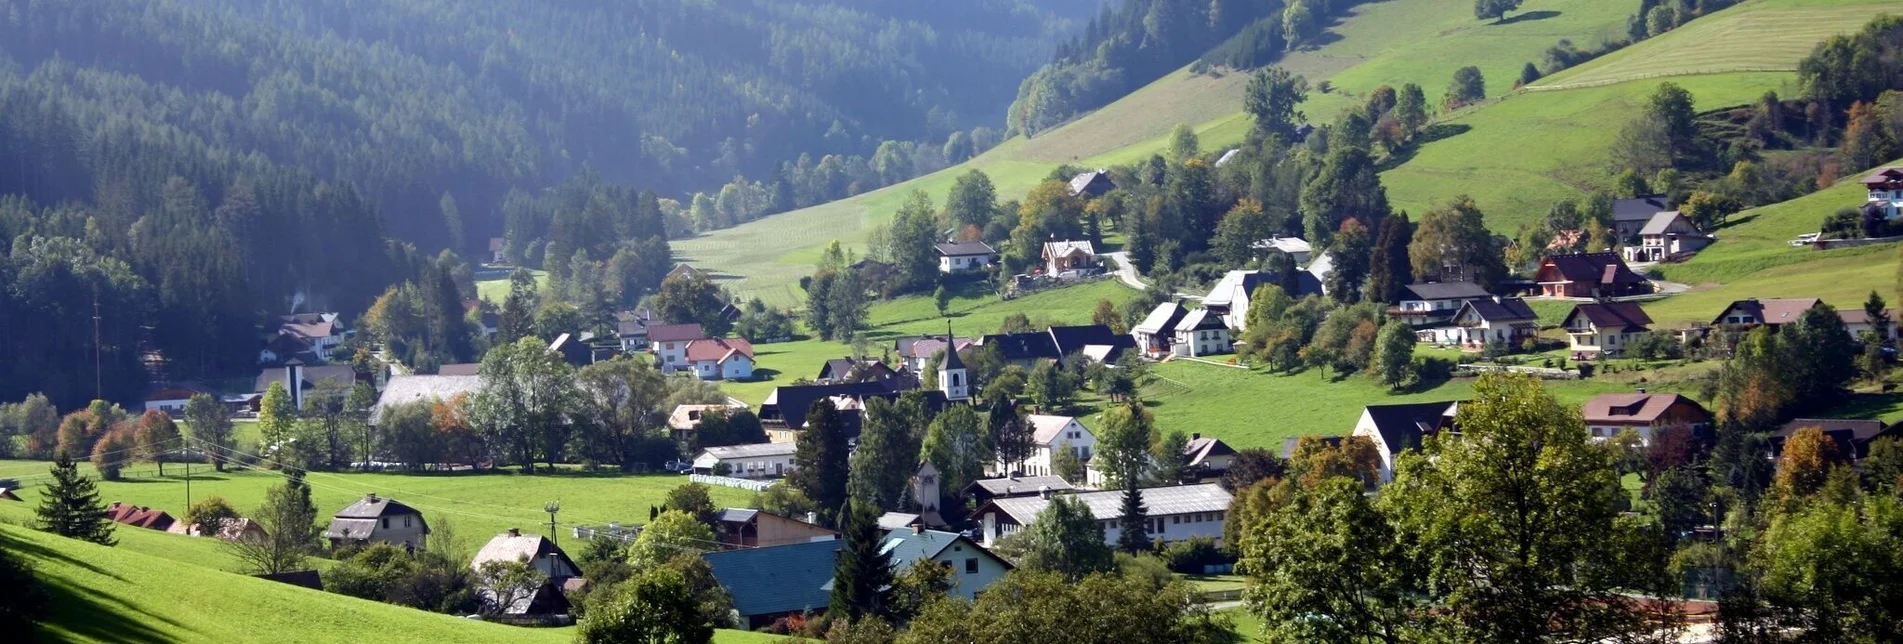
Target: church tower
(952,377)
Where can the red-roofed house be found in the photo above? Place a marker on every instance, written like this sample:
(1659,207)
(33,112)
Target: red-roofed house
(1609,414)
(139,517)
(1771,311)
(1857,321)
(1593,275)
(668,343)
(1604,328)
(719,358)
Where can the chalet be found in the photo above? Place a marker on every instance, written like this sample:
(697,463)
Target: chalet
(916,352)
(496,247)
(1433,304)
(973,568)
(572,349)
(1156,333)
(1057,343)
(1091,184)
(374,519)
(1176,513)
(983,490)
(172,400)
(542,555)
(1667,236)
(1587,275)
(757,461)
(413,388)
(1608,414)
(1497,322)
(1296,247)
(1604,328)
(1201,333)
(1770,311)
(965,257)
(1206,456)
(668,343)
(719,359)
(1062,256)
(139,517)
(682,422)
(1629,216)
(1886,191)
(1049,434)
(1230,296)
(767,584)
(631,330)
(304,382)
(1857,321)
(1398,428)
(1852,435)
(853,369)
(321,332)
(738,528)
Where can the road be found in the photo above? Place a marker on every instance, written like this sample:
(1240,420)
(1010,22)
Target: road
(1126,271)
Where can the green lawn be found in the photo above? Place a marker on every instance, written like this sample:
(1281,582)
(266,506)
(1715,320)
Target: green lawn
(497,290)
(1766,35)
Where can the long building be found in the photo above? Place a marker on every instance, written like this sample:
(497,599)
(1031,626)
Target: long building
(1176,513)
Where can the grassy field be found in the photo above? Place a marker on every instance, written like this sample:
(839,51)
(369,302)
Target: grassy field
(1767,35)
(497,290)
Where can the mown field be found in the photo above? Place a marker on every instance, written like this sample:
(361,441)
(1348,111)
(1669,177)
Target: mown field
(1766,35)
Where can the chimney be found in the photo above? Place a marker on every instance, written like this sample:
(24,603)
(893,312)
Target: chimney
(812,517)
(1641,390)
(1044,492)
(1196,436)
(370,498)
(515,532)
(918,527)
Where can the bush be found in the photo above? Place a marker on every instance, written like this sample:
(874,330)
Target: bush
(1144,567)
(208,515)
(1657,345)
(1189,557)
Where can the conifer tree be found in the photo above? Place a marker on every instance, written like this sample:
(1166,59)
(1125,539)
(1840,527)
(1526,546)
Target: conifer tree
(820,458)
(71,507)
(1133,532)
(862,580)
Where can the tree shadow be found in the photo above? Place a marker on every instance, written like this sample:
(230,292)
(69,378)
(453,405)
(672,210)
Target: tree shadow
(20,546)
(1731,222)
(1527,16)
(1435,132)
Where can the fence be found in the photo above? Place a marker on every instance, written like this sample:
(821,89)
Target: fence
(1542,373)
(728,481)
(1827,244)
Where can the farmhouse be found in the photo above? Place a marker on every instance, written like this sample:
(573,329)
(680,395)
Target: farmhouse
(1206,456)
(172,400)
(1156,333)
(301,381)
(1851,435)
(853,369)
(719,358)
(1604,328)
(1201,333)
(1608,414)
(1433,304)
(757,461)
(139,517)
(1061,256)
(1091,184)
(1771,312)
(1057,343)
(1398,428)
(1048,434)
(1587,275)
(1886,191)
(631,330)
(972,567)
(1629,216)
(779,581)
(965,257)
(1176,513)
(374,519)
(413,388)
(668,343)
(916,352)
(1857,322)
(746,528)
(1494,322)
(1296,247)
(542,555)
(1668,236)
(1230,296)
(686,418)
(312,333)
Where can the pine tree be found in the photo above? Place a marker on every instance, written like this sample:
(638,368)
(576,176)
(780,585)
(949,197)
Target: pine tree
(820,458)
(1133,532)
(71,507)
(862,579)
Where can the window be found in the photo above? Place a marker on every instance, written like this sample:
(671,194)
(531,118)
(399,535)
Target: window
(971,566)
(386,523)
(1176,519)
(406,521)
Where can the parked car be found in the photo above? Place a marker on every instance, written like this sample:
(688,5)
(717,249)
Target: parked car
(1806,239)
(678,467)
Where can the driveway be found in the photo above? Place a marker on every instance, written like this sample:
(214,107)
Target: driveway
(1126,271)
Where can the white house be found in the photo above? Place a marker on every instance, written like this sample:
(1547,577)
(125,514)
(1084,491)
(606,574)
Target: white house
(171,400)
(1398,428)
(973,568)
(1856,321)
(1202,333)
(1296,247)
(1176,513)
(539,553)
(963,257)
(1494,322)
(1434,303)
(1605,328)
(1886,191)
(719,358)
(1157,331)
(1061,256)
(374,519)
(1667,235)
(1229,298)
(757,461)
(417,387)
(1050,433)
(668,343)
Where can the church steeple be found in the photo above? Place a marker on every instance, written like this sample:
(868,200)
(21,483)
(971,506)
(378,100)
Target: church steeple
(953,379)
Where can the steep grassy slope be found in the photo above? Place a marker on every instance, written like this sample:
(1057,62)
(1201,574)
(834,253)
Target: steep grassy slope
(1768,35)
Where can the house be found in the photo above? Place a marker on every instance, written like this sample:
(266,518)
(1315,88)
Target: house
(1048,434)
(1292,443)
(973,568)
(1057,343)
(897,521)
(1771,311)
(487,321)
(316,333)
(686,418)
(1608,414)
(1433,304)
(965,257)
(1201,333)
(496,246)
(779,581)
(1667,236)
(172,400)
(719,358)
(682,271)
(631,330)
(983,490)
(303,381)
(1857,321)
(542,555)
(784,411)
(1886,191)
(1230,296)
(1091,185)
(1206,456)
(745,528)
(1398,428)
(573,350)
(1604,328)
(668,343)
(850,369)
(1588,275)
(6,494)
(374,519)
(1852,435)
(916,352)
(459,369)
(229,529)
(1176,513)
(1062,256)
(757,461)
(1497,322)
(413,388)
(139,517)
(1157,332)
(1296,247)
(1629,216)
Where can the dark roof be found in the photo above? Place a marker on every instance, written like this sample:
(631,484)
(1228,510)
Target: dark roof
(1017,485)
(1289,444)
(1023,346)
(788,404)
(674,332)
(339,374)
(1094,183)
(1507,309)
(952,361)
(1603,268)
(306,578)
(1072,339)
(1201,448)
(906,547)
(1852,435)
(372,506)
(1638,209)
(777,579)
(1608,315)
(840,368)
(1403,426)
(965,248)
(736,515)
(1884,176)
(1444,291)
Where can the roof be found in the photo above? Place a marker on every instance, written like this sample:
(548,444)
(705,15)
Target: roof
(1884,175)
(411,388)
(339,374)
(1637,209)
(139,517)
(1403,426)
(965,248)
(718,349)
(1611,315)
(1289,444)
(1604,268)
(1661,223)
(736,515)
(1023,346)
(1045,428)
(777,579)
(1227,157)
(1062,248)
(788,405)
(307,326)
(685,417)
(1073,339)
(1290,245)
(1771,310)
(1632,408)
(463,369)
(1094,182)
(906,547)
(1852,435)
(681,270)
(1162,318)
(896,521)
(1202,448)
(924,347)
(1506,309)
(506,547)
(1860,316)
(1444,291)
(1235,284)
(675,332)
(1200,320)
(1019,485)
(755,450)
(372,506)
(952,361)
(1108,504)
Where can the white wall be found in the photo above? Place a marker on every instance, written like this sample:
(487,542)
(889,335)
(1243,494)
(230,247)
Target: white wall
(969,584)
(1174,527)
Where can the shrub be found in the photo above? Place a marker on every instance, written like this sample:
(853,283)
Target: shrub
(1189,557)
(208,515)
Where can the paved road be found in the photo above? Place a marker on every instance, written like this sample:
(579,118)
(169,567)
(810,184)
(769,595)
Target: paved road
(1126,271)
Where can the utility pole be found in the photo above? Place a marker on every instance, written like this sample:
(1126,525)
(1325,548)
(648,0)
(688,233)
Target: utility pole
(99,389)
(551,508)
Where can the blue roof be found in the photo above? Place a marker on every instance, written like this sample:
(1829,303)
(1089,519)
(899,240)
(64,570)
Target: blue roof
(906,547)
(777,579)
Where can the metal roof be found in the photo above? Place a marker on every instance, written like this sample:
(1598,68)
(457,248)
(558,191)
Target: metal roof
(755,450)
(1108,504)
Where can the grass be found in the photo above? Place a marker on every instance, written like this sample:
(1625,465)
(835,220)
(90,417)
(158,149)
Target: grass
(1765,35)
(497,290)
